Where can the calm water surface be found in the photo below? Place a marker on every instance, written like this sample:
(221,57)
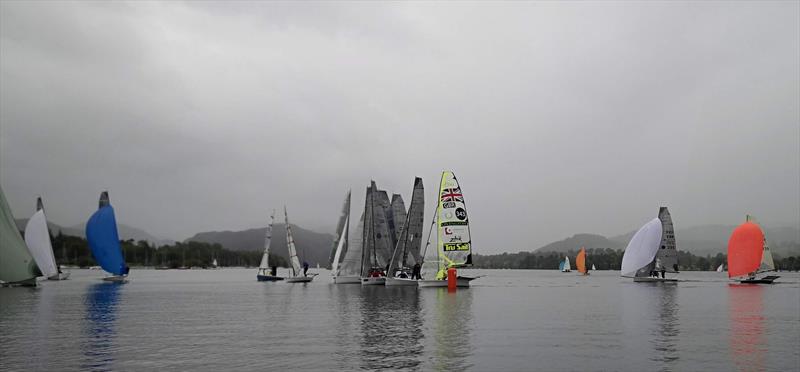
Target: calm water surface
(510,320)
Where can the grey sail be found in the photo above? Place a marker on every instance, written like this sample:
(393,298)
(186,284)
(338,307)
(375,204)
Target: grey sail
(368,256)
(382,234)
(398,215)
(16,263)
(406,251)
(667,256)
(351,263)
(339,249)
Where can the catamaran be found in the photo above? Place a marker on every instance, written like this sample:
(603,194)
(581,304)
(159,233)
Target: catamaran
(298,273)
(453,241)
(652,251)
(343,263)
(265,272)
(103,238)
(377,239)
(17,266)
(564,266)
(749,254)
(404,268)
(37,237)
(580,262)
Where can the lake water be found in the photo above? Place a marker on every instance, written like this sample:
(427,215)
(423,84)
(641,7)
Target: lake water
(509,320)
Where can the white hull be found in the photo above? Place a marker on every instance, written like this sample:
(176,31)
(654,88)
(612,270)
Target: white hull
(300,279)
(373,281)
(116,279)
(59,276)
(346,279)
(461,282)
(648,279)
(401,282)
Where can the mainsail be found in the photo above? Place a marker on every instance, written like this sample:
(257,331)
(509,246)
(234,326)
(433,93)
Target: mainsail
(720,268)
(103,238)
(340,243)
(263,267)
(667,256)
(351,263)
(452,225)
(16,263)
(580,261)
(398,218)
(642,249)
(296,269)
(567,266)
(37,237)
(410,236)
(377,240)
(767,263)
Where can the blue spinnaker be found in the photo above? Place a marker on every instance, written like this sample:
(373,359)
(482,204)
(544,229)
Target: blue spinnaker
(101,232)
(561,265)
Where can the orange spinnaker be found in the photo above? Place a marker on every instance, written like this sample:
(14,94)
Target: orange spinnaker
(745,248)
(580,261)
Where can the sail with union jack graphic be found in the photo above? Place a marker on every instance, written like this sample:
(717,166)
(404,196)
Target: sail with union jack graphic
(453,238)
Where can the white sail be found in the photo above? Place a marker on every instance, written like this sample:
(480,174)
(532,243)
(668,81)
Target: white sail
(720,268)
(567,267)
(642,248)
(340,244)
(351,262)
(214,263)
(37,238)
(593,268)
(767,263)
(264,266)
(290,244)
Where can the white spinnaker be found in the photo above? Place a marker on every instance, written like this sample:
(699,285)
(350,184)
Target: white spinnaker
(290,244)
(37,238)
(340,246)
(267,242)
(642,248)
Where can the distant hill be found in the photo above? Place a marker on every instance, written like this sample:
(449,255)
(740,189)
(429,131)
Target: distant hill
(125,232)
(581,240)
(312,246)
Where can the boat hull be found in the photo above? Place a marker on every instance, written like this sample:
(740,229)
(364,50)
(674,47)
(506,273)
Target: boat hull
(346,279)
(764,280)
(654,280)
(23,283)
(268,278)
(59,276)
(116,279)
(401,282)
(461,282)
(299,279)
(373,281)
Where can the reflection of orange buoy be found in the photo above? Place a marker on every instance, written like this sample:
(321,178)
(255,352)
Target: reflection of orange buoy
(452,279)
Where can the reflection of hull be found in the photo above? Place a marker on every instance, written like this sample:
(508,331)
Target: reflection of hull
(347,279)
(24,283)
(116,279)
(461,282)
(765,280)
(268,278)
(401,282)
(379,280)
(300,279)
(654,280)
(59,276)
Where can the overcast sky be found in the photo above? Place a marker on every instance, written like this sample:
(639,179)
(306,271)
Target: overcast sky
(557,117)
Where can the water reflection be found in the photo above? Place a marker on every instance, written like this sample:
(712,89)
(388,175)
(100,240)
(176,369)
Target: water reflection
(651,313)
(41,356)
(452,330)
(391,328)
(745,308)
(101,314)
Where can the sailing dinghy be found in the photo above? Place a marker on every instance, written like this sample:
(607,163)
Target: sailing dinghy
(564,266)
(298,276)
(580,262)
(17,266)
(103,238)
(404,268)
(37,237)
(652,251)
(749,254)
(593,268)
(341,257)
(377,240)
(721,268)
(265,272)
(453,241)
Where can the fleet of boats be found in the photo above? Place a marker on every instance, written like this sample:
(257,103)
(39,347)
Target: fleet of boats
(386,246)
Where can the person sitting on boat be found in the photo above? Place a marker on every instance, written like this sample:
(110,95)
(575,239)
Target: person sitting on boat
(305,268)
(415,274)
(442,274)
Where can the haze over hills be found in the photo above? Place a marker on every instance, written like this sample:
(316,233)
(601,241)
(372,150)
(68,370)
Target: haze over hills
(312,247)
(699,240)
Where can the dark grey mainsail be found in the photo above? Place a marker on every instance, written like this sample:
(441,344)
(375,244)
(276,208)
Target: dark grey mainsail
(398,214)
(406,251)
(667,256)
